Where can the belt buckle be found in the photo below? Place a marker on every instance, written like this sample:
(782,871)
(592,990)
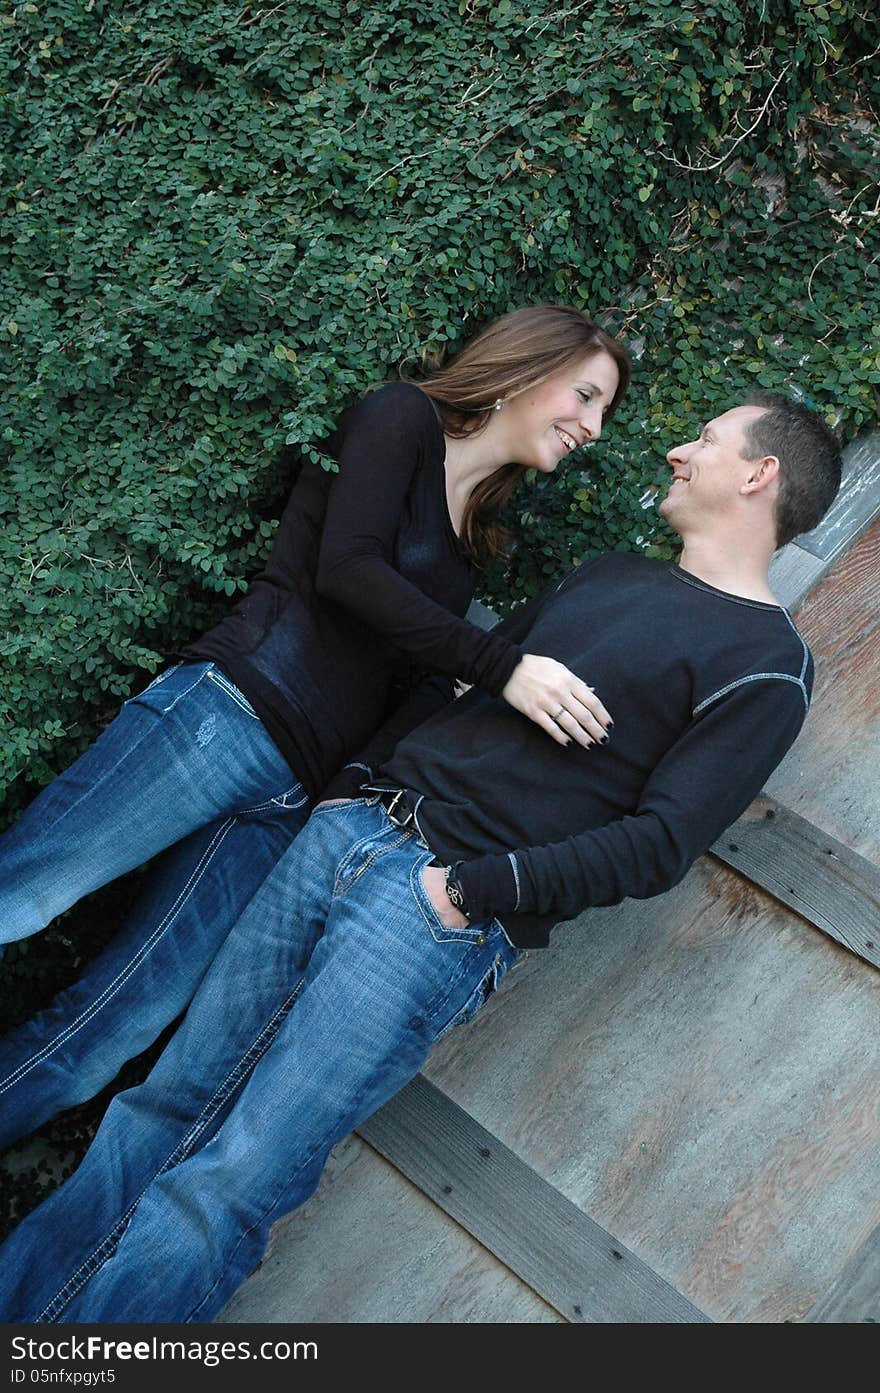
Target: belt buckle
(391,809)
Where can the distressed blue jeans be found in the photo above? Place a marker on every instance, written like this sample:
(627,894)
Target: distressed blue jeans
(324,1000)
(188,763)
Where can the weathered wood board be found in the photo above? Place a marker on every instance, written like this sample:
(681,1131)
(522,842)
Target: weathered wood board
(814,874)
(369,1246)
(799,566)
(584,1272)
(698,1074)
(793,572)
(855,1294)
(832,774)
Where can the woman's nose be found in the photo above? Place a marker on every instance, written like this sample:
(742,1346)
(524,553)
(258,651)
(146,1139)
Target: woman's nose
(591,423)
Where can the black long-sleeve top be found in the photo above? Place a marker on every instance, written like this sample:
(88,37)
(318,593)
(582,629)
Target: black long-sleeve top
(366,585)
(707,690)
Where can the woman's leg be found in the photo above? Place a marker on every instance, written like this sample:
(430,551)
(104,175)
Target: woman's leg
(231,1020)
(188,750)
(147,974)
(383,980)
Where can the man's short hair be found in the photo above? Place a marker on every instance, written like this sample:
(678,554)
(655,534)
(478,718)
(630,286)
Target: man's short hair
(809,460)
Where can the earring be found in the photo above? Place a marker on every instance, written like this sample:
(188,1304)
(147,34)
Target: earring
(498,405)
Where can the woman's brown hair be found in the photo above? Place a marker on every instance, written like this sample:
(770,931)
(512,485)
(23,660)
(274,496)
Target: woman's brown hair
(518,351)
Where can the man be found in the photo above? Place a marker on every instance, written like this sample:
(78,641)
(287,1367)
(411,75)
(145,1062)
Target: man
(398,911)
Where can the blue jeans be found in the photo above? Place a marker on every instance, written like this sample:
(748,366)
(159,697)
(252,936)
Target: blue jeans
(189,752)
(324,1000)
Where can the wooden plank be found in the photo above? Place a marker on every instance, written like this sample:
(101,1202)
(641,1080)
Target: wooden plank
(581,1270)
(856,506)
(808,870)
(698,1074)
(832,773)
(368,1247)
(793,573)
(855,1296)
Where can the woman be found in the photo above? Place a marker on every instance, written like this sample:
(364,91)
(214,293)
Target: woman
(221,757)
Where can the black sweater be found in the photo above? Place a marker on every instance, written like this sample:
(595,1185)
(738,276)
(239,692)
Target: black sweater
(365,586)
(707,692)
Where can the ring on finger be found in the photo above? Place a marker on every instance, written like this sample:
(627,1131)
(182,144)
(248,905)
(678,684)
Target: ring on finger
(558,714)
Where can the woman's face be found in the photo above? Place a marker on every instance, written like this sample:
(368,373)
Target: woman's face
(545,423)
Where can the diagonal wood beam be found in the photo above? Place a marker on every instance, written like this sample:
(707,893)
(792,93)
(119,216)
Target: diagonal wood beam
(855,1294)
(825,882)
(562,1254)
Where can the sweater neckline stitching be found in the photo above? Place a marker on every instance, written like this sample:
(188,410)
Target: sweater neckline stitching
(676,571)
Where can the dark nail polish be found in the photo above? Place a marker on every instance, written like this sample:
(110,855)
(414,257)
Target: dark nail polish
(605,739)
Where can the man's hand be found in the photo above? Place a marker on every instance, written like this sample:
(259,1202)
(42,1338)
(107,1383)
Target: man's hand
(434,881)
(558,701)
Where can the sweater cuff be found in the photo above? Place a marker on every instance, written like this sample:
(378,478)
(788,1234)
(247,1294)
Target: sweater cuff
(490,885)
(348,782)
(507,657)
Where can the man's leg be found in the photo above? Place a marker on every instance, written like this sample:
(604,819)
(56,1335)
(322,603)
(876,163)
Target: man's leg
(188,750)
(147,974)
(383,981)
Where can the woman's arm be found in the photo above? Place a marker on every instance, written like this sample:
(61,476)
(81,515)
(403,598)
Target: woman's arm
(387,438)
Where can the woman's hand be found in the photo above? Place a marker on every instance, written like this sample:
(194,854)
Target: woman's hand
(557,701)
(434,881)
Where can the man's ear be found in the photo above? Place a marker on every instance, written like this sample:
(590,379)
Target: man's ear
(762,473)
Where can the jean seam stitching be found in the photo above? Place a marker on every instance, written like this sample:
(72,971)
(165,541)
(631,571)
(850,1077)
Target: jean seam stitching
(126,971)
(267,1209)
(289,1180)
(340,886)
(232,692)
(99,782)
(277,802)
(65,1295)
(490,974)
(108,774)
(435,922)
(191,688)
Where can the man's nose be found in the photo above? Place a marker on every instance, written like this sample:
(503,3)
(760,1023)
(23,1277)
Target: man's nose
(679,453)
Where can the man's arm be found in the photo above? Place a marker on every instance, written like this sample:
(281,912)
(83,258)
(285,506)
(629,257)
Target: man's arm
(699,788)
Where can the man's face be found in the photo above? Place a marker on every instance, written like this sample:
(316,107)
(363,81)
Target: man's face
(708,473)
